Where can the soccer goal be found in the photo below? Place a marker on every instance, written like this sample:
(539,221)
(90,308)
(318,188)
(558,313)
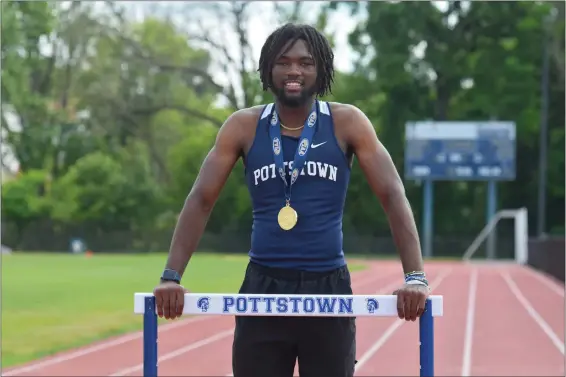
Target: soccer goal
(521,234)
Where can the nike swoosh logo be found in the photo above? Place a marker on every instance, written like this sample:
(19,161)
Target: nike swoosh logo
(317,145)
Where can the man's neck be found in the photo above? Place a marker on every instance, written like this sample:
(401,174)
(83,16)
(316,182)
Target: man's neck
(294,116)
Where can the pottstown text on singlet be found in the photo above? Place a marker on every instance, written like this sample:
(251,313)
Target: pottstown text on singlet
(313,168)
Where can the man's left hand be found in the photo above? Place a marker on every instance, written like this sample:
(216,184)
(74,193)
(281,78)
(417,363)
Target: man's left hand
(411,299)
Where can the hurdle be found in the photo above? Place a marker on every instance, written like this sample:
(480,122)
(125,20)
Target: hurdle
(287,305)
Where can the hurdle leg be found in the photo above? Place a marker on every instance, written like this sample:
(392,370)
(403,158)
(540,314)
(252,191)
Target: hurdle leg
(426,337)
(150,338)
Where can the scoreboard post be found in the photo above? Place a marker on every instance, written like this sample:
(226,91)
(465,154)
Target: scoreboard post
(459,151)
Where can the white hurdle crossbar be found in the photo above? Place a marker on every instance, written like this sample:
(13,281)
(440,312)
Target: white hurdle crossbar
(288,305)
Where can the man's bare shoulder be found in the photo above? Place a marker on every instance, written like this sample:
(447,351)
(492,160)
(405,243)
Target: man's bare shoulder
(238,131)
(243,119)
(344,111)
(247,115)
(349,119)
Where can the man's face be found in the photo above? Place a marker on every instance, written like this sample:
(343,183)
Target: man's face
(294,75)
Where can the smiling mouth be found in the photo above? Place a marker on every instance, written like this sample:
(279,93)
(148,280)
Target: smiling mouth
(293,86)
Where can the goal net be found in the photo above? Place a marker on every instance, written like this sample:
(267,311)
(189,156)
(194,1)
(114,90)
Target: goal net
(520,235)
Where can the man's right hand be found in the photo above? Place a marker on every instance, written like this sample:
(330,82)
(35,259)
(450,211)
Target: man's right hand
(169,299)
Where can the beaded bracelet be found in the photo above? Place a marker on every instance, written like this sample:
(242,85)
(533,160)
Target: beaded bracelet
(416,277)
(415,273)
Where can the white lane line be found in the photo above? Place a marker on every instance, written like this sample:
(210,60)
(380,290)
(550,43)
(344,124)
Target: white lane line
(551,284)
(100,346)
(178,352)
(532,312)
(468,338)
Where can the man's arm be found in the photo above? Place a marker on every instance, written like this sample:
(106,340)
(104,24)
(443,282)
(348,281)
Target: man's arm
(386,183)
(213,174)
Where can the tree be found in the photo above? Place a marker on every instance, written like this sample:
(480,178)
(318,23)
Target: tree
(25,81)
(113,194)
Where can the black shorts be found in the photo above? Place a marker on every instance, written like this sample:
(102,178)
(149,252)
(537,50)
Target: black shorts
(270,346)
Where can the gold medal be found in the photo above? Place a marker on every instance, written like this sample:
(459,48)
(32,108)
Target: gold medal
(287,217)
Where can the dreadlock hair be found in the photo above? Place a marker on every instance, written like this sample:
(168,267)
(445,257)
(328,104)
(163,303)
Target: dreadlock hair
(316,43)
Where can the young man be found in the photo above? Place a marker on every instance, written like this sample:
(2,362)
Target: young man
(306,145)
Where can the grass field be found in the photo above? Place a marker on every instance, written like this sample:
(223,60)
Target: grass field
(53,302)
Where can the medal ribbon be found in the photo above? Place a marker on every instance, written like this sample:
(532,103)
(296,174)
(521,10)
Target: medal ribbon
(302,149)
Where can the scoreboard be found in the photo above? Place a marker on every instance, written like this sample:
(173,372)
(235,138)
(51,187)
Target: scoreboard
(451,151)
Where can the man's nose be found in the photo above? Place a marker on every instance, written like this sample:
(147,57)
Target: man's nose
(294,70)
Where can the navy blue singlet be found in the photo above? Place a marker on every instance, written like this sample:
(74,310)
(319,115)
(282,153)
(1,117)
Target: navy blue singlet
(318,196)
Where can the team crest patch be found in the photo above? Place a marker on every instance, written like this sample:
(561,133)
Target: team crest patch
(276,146)
(312,119)
(303,147)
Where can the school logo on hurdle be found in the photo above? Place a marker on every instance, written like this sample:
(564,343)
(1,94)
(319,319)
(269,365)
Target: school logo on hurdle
(203,304)
(372,305)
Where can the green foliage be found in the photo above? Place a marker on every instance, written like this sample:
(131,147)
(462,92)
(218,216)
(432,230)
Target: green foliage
(23,199)
(233,207)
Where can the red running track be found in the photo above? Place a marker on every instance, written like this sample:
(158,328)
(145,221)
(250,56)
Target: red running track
(499,320)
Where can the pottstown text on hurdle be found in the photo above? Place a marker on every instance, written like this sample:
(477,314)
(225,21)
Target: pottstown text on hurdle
(289,305)
(286,305)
